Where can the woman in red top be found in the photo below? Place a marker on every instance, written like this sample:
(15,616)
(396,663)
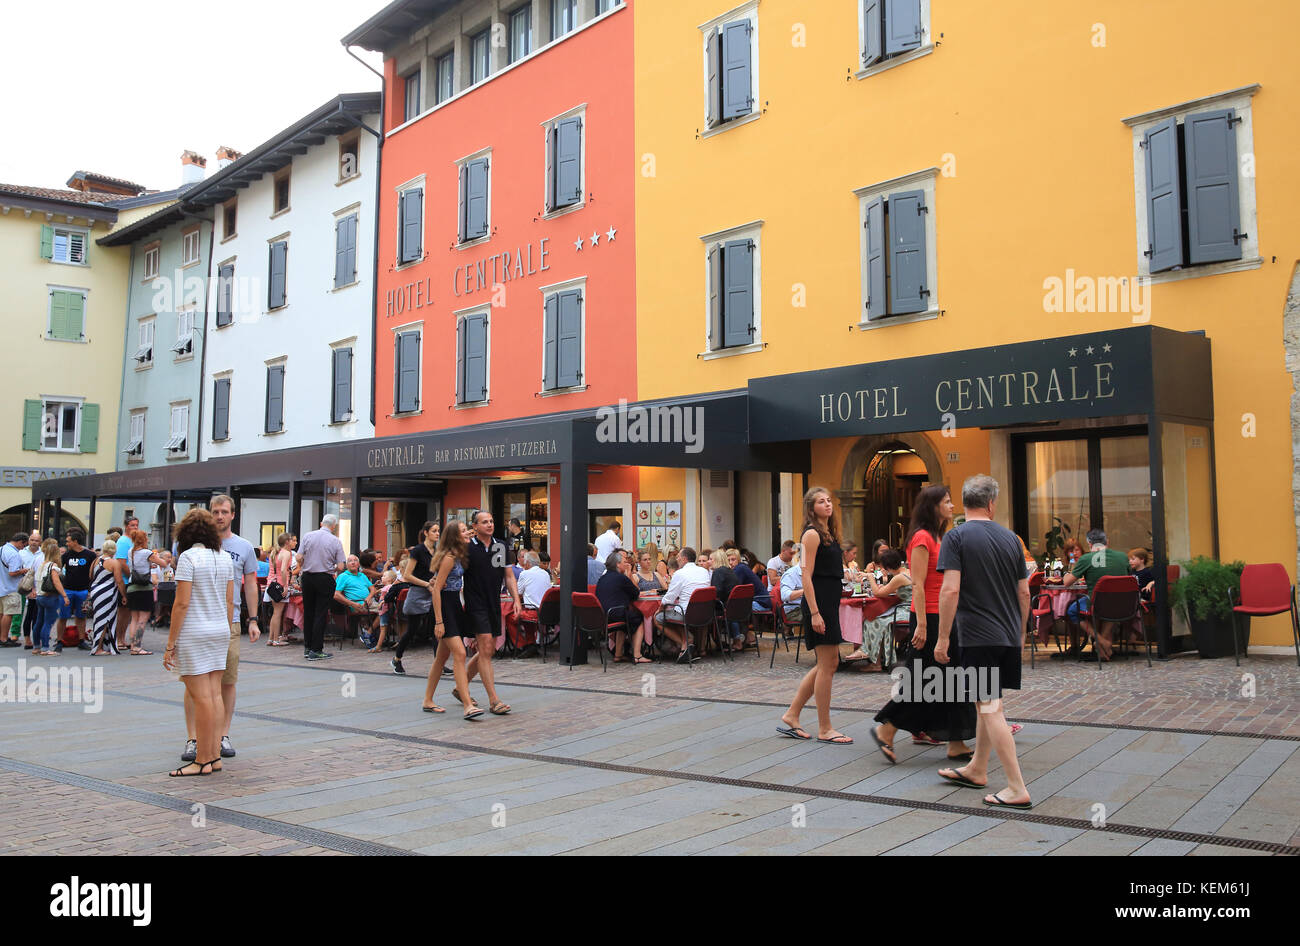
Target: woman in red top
(934,721)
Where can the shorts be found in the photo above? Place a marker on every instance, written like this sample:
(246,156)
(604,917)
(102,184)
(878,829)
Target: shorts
(12,604)
(231,673)
(76,601)
(481,622)
(996,669)
(139,599)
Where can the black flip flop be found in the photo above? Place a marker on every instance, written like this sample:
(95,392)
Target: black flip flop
(961,780)
(885,748)
(997,802)
(793,732)
(961,757)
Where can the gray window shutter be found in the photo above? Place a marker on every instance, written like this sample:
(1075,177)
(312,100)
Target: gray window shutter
(412,211)
(225,287)
(874,224)
(715,297)
(1164,196)
(550,341)
(1213,217)
(408,372)
(274,398)
(552,147)
(221,409)
(345,251)
(737,83)
(738,306)
(460,362)
(476,208)
(902,26)
(713,53)
(568,164)
(906,225)
(872,24)
(476,329)
(279,261)
(569,349)
(461,215)
(341,390)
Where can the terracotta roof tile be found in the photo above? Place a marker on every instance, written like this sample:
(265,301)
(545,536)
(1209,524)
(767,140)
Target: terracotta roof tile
(117,181)
(50,193)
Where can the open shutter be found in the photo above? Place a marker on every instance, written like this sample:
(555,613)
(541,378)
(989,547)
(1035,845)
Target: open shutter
(737,82)
(568,164)
(221,409)
(872,24)
(345,251)
(713,55)
(58,313)
(552,153)
(412,225)
(274,399)
(906,225)
(476,203)
(1164,196)
(476,329)
(902,26)
(89,428)
(569,354)
(33,415)
(341,390)
(1213,218)
(76,316)
(550,341)
(873,224)
(716,297)
(738,309)
(461,210)
(279,261)
(225,287)
(408,372)
(47,243)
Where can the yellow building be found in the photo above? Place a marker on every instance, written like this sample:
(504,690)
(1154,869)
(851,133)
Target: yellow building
(1039,208)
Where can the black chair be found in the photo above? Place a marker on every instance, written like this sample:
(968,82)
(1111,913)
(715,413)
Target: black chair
(786,627)
(594,622)
(347,629)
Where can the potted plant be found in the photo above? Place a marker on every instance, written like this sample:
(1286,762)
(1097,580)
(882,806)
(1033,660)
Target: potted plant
(1204,592)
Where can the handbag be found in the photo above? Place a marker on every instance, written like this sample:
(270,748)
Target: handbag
(275,591)
(26,584)
(47,582)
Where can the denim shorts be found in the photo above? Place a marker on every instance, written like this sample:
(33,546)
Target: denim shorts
(76,600)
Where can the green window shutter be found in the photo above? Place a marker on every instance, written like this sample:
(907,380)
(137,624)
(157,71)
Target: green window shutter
(76,316)
(47,241)
(67,315)
(89,428)
(58,314)
(33,411)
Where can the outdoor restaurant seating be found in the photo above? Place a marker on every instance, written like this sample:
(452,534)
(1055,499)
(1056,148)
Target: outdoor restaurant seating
(1266,590)
(1117,600)
(701,612)
(592,621)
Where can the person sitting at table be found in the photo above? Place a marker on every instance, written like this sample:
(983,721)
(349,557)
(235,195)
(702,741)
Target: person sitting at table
(792,594)
(665,567)
(880,630)
(1139,561)
(723,578)
(1097,564)
(647,577)
(1072,552)
(850,552)
(387,608)
(369,559)
(876,548)
(688,577)
(353,590)
(746,575)
(595,567)
(616,593)
(705,559)
(534,581)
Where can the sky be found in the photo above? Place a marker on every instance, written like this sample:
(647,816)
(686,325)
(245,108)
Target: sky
(123,88)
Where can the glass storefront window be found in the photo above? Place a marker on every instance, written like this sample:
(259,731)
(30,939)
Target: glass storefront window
(1056,473)
(338,500)
(1126,492)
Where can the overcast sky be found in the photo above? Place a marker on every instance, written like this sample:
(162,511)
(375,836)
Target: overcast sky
(123,88)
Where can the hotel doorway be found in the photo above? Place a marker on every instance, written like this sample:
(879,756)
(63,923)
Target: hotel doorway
(894,477)
(526,502)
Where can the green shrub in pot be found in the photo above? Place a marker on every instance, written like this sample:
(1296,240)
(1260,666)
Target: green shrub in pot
(1202,594)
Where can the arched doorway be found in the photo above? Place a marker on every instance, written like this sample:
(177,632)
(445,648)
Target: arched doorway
(13,520)
(881,480)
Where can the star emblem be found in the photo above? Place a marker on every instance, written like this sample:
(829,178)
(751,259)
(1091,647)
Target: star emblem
(1106,348)
(577,244)
(1073,352)
(609,235)
(1089,350)
(595,239)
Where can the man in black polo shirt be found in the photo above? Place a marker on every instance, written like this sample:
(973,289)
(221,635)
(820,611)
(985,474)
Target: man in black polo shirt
(76,582)
(484,570)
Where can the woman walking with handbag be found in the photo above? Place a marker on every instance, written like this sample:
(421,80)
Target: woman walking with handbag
(105,587)
(139,593)
(451,626)
(419,596)
(277,588)
(50,597)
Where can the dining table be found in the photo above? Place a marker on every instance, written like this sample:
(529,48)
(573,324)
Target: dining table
(647,604)
(1061,596)
(857,609)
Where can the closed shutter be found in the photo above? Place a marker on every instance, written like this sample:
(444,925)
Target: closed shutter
(408,372)
(908,291)
(873,224)
(738,307)
(47,244)
(902,26)
(568,163)
(737,53)
(412,211)
(225,288)
(713,55)
(476,201)
(1164,196)
(341,390)
(872,23)
(59,318)
(345,251)
(279,263)
(1213,217)
(569,348)
(461,216)
(221,409)
(33,417)
(89,428)
(550,341)
(552,147)
(274,399)
(476,342)
(715,297)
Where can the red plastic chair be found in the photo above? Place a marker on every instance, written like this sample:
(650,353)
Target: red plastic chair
(701,612)
(739,608)
(1036,611)
(591,619)
(1266,590)
(1117,600)
(546,615)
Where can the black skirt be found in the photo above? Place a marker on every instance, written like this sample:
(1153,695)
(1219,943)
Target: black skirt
(827,593)
(946,719)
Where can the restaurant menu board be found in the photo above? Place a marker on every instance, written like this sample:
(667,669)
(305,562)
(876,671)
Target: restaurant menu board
(659,521)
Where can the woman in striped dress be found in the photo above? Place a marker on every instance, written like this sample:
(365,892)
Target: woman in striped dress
(105,585)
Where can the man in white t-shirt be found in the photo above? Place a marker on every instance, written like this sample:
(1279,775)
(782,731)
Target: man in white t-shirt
(607,542)
(686,579)
(780,563)
(12,570)
(534,581)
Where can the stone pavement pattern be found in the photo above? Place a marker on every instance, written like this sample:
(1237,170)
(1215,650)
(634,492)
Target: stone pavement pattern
(336,757)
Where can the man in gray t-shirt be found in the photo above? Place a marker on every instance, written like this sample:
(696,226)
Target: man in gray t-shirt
(985,592)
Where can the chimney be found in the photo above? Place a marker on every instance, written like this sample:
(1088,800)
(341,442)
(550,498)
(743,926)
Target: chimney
(227,156)
(192,168)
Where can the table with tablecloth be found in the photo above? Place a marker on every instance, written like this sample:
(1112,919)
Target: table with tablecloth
(1060,598)
(856,609)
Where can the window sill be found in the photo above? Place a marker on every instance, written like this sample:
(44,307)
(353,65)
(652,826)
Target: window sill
(887,320)
(57,450)
(64,262)
(144,367)
(273,433)
(135,461)
(355,282)
(346,180)
(277,309)
(556,392)
(730,352)
(222,440)
(477,241)
(74,341)
(733,123)
(398,415)
(280,213)
(471,405)
(341,423)
(229,236)
(552,214)
(878,67)
(415,262)
(148,279)
(181,359)
(176,456)
(1203,269)
(192,262)
(220,325)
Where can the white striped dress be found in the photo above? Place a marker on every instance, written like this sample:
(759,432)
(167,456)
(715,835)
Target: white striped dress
(204,638)
(103,608)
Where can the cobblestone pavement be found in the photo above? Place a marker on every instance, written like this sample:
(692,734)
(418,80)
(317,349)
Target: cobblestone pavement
(336,757)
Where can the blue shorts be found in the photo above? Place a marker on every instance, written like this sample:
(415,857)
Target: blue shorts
(76,600)
(1078,609)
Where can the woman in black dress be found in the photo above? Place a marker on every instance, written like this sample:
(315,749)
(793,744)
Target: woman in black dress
(823,572)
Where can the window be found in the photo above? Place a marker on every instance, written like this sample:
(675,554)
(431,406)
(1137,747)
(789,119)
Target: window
(62,425)
(151,256)
(228,218)
(275,399)
(221,409)
(731,68)
(472,359)
(411,91)
(271,532)
(281,198)
(474,208)
(341,386)
(480,57)
(135,440)
(225,294)
(562,333)
(897,247)
(521,32)
(733,310)
(64,245)
(564,163)
(144,344)
(190,247)
(345,251)
(406,373)
(564,17)
(279,261)
(67,318)
(349,156)
(410,217)
(892,28)
(184,332)
(178,441)
(604,6)
(444,86)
